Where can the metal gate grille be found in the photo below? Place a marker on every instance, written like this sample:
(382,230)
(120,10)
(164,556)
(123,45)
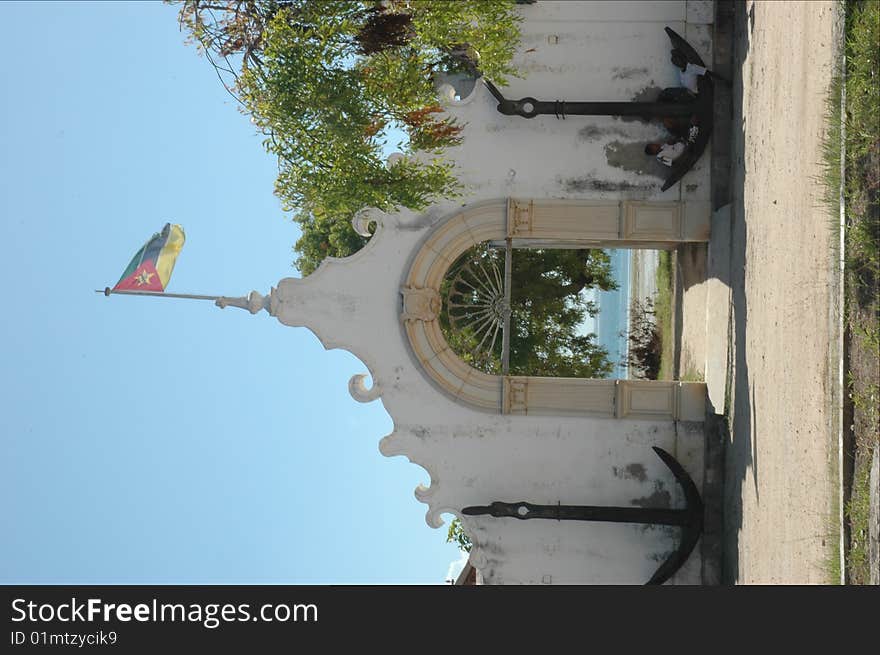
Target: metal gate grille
(478,304)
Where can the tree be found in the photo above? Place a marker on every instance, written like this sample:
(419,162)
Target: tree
(548,309)
(457,535)
(327,82)
(546,305)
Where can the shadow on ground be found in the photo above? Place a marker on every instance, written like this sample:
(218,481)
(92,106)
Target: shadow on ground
(731,452)
(741,447)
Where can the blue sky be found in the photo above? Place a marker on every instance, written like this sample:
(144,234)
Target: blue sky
(155,440)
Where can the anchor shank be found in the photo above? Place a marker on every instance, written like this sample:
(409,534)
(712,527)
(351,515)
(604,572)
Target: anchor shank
(643,515)
(528,108)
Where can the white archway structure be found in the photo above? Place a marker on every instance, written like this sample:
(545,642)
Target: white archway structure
(545,223)
(472,454)
(575,183)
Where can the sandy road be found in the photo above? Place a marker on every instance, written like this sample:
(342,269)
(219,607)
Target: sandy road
(778,482)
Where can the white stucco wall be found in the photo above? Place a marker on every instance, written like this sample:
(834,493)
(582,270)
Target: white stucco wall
(605,51)
(475,457)
(582,51)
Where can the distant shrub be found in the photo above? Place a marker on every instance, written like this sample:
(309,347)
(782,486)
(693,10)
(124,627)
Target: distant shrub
(645,345)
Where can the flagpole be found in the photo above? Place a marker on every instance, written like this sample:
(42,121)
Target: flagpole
(107,291)
(253,302)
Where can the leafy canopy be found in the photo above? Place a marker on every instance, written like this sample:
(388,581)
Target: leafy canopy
(328,82)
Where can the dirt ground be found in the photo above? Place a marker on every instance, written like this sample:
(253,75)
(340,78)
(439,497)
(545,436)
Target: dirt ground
(779,483)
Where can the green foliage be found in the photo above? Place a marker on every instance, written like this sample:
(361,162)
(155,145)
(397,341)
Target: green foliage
(547,308)
(860,189)
(862,184)
(863,75)
(645,341)
(323,236)
(857,511)
(326,82)
(663,313)
(456,535)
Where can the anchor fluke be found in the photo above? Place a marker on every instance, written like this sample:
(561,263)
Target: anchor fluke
(691,530)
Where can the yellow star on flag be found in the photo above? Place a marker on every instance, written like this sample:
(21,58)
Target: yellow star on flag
(144,278)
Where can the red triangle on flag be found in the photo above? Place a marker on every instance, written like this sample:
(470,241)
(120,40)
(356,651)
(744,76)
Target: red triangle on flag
(144,278)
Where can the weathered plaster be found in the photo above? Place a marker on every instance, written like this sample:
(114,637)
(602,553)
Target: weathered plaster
(631,157)
(475,457)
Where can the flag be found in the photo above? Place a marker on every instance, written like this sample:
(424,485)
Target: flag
(150,268)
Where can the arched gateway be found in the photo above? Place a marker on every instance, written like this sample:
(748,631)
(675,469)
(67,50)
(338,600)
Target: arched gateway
(551,442)
(544,224)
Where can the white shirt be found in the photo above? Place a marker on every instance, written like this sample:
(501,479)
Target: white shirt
(670,152)
(689,75)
